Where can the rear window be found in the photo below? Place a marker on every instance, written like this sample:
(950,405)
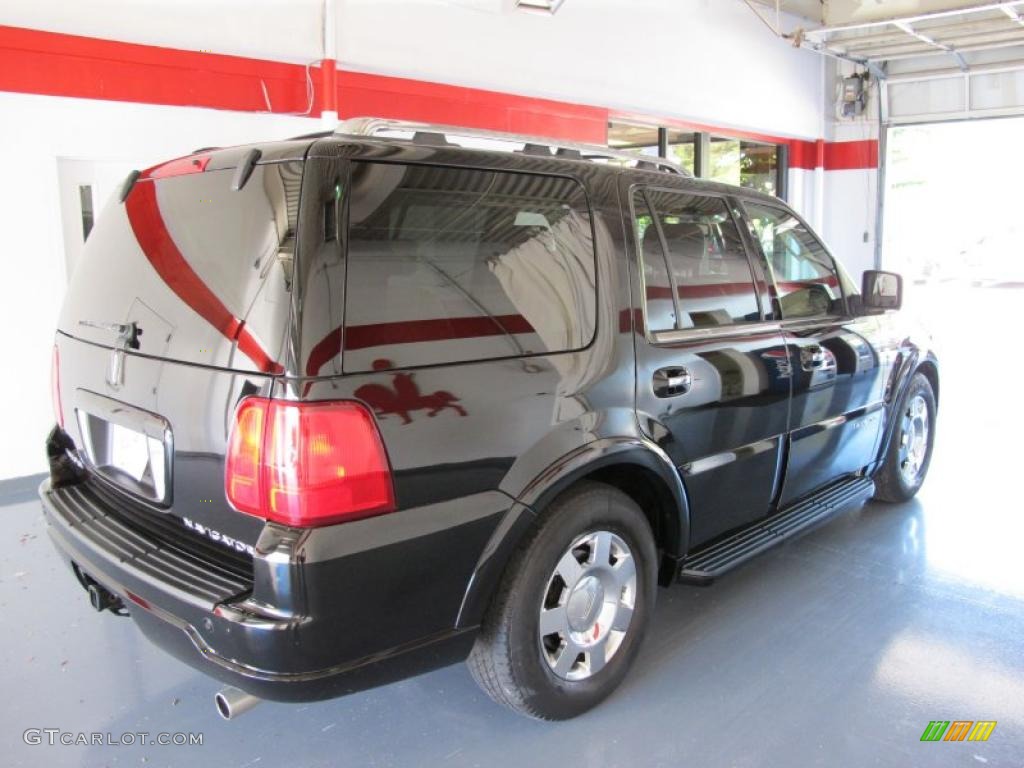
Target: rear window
(203,271)
(453,264)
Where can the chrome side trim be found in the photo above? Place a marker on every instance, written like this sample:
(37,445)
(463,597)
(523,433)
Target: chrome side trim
(814,323)
(715,333)
(837,421)
(728,457)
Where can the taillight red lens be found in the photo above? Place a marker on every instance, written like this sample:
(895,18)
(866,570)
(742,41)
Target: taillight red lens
(58,411)
(307,464)
(243,459)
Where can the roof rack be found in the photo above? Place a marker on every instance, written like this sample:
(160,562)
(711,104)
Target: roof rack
(436,135)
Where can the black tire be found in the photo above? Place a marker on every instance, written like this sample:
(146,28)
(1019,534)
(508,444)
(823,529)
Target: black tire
(891,483)
(509,660)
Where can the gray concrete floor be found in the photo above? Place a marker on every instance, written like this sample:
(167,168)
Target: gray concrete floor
(835,649)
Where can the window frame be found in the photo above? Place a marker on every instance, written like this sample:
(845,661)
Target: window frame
(345,238)
(780,205)
(675,335)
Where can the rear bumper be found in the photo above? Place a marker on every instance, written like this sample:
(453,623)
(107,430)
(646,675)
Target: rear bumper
(346,623)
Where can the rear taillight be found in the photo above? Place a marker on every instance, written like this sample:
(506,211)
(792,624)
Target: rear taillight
(307,464)
(55,386)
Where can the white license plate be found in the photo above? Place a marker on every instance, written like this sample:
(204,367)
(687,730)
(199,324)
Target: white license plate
(129,451)
(126,445)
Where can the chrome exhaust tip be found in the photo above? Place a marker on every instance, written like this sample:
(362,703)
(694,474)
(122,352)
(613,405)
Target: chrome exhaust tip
(232,702)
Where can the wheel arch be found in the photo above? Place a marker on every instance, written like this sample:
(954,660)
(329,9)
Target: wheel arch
(638,469)
(633,466)
(930,370)
(928,367)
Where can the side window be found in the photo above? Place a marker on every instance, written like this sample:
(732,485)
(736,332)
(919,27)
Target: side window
(659,304)
(449,264)
(805,276)
(707,263)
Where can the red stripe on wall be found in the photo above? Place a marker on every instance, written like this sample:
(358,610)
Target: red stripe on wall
(160,249)
(851,155)
(56,64)
(803,154)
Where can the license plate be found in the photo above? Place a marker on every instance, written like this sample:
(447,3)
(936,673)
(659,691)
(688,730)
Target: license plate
(129,451)
(126,445)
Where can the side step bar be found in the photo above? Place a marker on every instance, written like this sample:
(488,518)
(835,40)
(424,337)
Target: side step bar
(705,565)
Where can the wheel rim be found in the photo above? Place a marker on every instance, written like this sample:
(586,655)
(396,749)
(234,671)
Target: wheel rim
(588,605)
(914,439)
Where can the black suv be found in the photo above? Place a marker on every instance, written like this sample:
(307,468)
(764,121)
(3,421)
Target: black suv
(338,410)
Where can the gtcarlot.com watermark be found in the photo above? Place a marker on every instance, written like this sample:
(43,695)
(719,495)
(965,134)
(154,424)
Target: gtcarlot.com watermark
(57,737)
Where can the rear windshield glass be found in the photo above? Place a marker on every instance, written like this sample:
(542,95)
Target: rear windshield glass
(201,270)
(454,264)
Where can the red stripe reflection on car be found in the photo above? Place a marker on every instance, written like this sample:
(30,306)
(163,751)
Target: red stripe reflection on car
(159,247)
(442,329)
(325,349)
(412,332)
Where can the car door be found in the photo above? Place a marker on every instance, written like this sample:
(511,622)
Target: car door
(712,370)
(838,374)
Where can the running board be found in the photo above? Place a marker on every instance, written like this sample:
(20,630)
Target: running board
(707,564)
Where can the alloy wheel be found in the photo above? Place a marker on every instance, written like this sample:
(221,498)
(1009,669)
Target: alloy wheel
(913,439)
(588,605)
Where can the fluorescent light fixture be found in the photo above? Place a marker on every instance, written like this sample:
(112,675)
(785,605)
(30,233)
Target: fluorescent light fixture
(544,6)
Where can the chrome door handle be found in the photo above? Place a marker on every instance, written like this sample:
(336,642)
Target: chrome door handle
(672,381)
(812,358)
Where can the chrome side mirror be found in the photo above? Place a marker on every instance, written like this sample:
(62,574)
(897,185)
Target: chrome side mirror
(881,290)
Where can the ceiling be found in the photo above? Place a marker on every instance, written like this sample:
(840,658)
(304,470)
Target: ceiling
(947,33)
(873,32)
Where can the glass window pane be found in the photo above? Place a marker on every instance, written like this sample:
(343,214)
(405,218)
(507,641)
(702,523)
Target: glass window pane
(682,148)
(642,139)
(659,306)
(708,261)
(452,264)
(805,277)
(744,163)
(724,162)
(759,165)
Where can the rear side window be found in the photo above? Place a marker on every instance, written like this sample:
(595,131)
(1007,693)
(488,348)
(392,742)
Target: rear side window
(452,264)
(805,277)
(696,270)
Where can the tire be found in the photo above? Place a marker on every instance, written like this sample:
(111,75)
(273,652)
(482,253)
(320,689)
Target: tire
(907,459)
(541,676)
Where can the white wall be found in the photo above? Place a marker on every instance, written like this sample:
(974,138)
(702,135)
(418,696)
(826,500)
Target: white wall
(708,61)
(284,30)
(41,130)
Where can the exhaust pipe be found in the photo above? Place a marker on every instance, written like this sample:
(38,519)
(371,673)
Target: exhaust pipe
(232,702)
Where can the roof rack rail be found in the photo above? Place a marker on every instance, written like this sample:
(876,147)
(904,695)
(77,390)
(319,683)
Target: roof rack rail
(428,133)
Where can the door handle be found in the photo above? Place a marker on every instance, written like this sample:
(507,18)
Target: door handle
(672,381)
(812,358)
